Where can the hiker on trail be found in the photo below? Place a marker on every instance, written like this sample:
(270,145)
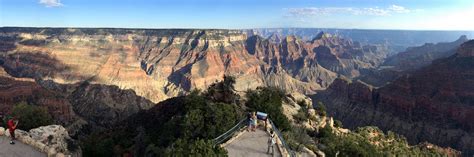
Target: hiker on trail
(271,142)
(12,123)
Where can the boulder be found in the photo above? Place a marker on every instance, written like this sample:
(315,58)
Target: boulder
(53,140)
(2,131)
(54,137)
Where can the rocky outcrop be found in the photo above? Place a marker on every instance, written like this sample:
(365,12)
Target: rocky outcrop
(2,131)
(53,140)
(390,143)
(158,64)
(433,104)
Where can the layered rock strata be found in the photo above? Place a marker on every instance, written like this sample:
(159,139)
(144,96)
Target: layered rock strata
(158,64)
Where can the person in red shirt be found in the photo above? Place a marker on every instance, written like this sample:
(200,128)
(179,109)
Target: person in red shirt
(12,123)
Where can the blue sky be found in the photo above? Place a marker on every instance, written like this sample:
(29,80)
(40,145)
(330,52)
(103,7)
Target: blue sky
(237,14)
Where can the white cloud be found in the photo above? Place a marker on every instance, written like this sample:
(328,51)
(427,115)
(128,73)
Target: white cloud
(51,3)
(450,20)
(398,9)
(375,11)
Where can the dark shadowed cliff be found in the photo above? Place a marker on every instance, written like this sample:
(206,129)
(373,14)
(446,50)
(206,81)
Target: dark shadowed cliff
(432,104)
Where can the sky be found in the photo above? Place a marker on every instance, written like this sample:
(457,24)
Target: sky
(241,14)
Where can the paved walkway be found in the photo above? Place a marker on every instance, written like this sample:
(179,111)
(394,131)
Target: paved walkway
(251,144)
(17,150)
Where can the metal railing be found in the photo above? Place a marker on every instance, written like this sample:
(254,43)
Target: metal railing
(243,123)
(229,133)
(280,136)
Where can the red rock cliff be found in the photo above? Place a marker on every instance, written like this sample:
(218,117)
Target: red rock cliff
(158,64)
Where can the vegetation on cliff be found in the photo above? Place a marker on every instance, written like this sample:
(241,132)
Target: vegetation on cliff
(328,136)
(31,116)
(369,141)
(184,126)
(192,122)
(269,100)
(178,126)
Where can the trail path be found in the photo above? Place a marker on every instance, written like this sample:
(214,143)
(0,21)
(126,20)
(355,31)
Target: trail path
(251,144)
(17,150)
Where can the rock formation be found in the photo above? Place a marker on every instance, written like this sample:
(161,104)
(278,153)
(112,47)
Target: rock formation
(467,49)
(411,59)
(417,57)
(53,140)
(396,40)
(433,104)
(78,106)
(158,64)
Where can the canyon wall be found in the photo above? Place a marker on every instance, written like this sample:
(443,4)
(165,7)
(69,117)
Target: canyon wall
(158,64)
(433,104)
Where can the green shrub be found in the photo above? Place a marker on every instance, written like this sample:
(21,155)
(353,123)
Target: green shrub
(338,123)
(188,127)
(302,103)
(345,145)
(31,116)
(361,143)
(350,147)
(269,100)
(95,145)
(321,109)
(222,91)
(325,132)
(301,116)
(197,147)
(3,121)
(209,121)
(297,137)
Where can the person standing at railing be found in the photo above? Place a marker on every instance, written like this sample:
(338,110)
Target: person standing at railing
(250,122)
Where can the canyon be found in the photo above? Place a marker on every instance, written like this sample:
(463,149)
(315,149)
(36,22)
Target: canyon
(416,57)
(434,103)
(91,79)
(397,40)
(159,64)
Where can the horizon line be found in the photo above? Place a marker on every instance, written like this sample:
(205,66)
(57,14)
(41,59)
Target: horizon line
(211,28)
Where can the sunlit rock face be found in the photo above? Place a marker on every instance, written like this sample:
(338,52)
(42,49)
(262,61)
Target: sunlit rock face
(158,64)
